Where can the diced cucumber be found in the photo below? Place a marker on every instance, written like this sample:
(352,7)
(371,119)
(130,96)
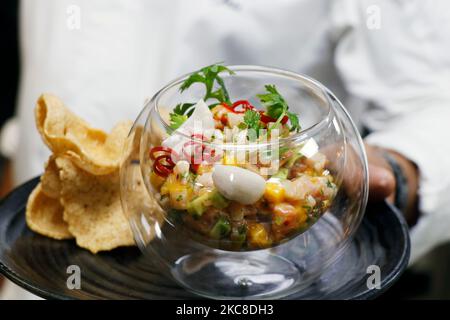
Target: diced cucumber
(219,201)
(281,174)
(293,159)
(199,205)
(239,234)
(221,229)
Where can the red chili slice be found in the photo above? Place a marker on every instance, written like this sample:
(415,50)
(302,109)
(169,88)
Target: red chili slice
(224,119)
(266,119)
(161,170)
(162,150)
(197,152)
(196,148)
(247,106)
(198,136)
(155,150)
(194,167)
(166,158)
(159,167)
(210,156)
(226,105)
(244,103)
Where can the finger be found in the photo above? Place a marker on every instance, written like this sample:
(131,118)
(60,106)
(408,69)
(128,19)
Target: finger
(381,183)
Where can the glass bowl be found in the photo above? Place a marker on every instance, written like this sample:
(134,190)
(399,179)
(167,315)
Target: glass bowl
(221,243)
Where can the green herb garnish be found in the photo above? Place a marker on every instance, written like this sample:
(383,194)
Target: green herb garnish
(208,76)
(184,109)
(180,114)
(176,120)
(242,126)
(277,107)
(252,120)
(283,150)
(273,101)
(295,124)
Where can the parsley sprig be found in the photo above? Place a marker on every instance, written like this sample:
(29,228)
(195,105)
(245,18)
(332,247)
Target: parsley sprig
(209,76)
(277,108)
(180,114)
(214,89)
(252,121)
(176,120)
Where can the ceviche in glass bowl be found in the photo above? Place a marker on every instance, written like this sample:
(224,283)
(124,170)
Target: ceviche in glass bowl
(244,181)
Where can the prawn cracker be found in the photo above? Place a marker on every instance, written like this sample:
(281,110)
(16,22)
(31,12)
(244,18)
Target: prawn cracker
(44,215)
(92,208)
(50,182)
(66,134)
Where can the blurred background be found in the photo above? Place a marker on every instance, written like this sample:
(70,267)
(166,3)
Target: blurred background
(427,279)
(10,78)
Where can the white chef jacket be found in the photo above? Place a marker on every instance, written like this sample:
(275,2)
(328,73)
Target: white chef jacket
(387,60)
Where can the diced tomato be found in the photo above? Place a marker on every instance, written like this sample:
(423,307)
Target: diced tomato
(286,218)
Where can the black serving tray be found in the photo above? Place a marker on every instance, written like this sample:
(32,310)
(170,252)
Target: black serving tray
(39,264)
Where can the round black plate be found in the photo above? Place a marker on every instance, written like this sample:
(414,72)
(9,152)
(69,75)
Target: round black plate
(39,264)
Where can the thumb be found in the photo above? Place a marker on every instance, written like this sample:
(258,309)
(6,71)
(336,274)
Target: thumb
(381,183)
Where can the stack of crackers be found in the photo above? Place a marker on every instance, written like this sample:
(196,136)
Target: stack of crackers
(79,193)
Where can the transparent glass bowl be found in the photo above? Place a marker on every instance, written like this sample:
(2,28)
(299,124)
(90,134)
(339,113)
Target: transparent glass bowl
(218,268)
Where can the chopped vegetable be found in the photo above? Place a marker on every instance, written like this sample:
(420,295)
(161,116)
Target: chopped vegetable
(238,235)
(210,198)
(218,201)
(179,196)
(287,218)
(221,229)
(257,236)
(163,162)
(293,159)
(198,206)
(281,174)
(274,192)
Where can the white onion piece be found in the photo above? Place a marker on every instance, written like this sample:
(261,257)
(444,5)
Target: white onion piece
(234,119)
(200,122)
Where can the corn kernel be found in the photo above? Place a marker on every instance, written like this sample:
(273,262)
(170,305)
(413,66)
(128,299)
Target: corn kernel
(179,196)
(302,216)
(204,168)
(274,192)
(229,159)
(258,236)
